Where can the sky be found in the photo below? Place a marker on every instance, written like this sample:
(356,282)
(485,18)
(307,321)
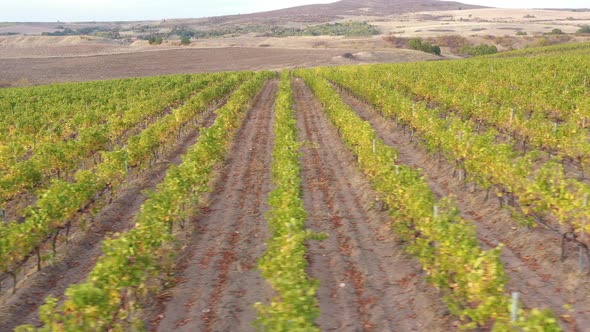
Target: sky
(125,10)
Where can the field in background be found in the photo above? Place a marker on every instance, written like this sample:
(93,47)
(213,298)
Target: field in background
(22,72)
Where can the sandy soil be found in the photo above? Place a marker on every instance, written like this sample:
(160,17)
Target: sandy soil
(14,47)
(80,254)
(367,282)
(531,256)
(478,22)
(508,14)
(34,47)
(218,279)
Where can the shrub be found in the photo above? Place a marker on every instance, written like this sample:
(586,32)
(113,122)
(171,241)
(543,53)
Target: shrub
(185,40)
(584,29)
(342,29)
(415,44)
(435,49)
(481,49)
(155,40)
(543,41)
(424,46)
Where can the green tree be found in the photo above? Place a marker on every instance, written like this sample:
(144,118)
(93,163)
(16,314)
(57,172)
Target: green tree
(415,44)
(424,46)
(481,49)
(436,49)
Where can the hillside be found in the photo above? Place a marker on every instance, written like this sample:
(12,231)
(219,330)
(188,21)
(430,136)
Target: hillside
(322,13)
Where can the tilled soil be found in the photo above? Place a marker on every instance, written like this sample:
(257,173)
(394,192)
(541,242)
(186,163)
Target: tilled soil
(81,253)
(218,278)
(160,62)
(531,256)
(367,282)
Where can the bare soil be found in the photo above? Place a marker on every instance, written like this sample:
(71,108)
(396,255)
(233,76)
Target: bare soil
(83,63)
(162,62)
(531,256)
(80,254)
(367,282)
(218,281)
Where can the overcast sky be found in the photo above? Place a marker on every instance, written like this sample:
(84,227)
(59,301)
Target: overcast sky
(120,10)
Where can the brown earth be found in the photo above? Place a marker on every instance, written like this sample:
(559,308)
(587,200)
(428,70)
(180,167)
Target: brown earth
(531,256)
(162,62)
(218,282)
(80,254)
(367,282)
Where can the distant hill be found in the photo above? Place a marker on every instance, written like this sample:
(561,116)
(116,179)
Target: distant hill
(294,17)
(327,12)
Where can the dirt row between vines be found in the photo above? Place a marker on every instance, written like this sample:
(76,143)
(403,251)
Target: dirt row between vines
(367,282)
(531,256)
(77,258)
(217,279)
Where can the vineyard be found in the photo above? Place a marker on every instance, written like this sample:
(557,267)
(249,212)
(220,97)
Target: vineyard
(434,196)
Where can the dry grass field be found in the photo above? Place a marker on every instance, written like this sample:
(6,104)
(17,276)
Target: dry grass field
(488,21)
